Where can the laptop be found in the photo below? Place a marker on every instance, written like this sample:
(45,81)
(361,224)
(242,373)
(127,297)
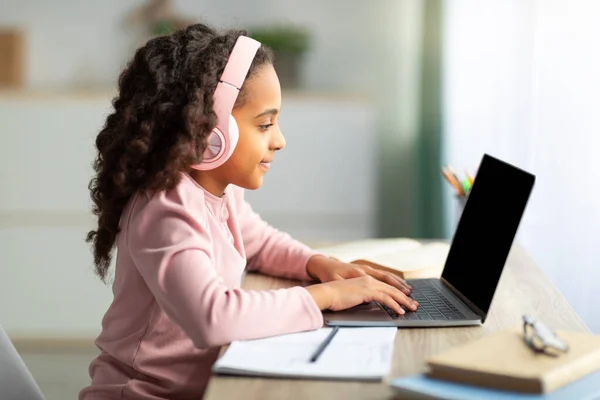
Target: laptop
(463,294)
(16,382)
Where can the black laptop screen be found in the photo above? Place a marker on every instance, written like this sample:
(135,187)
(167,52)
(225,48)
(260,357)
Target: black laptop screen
(486,230)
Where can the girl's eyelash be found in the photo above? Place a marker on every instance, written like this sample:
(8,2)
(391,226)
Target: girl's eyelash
(265,127)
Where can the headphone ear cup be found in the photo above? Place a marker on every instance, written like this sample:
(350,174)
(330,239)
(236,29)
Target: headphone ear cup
(214,144)
(219,147)
(229,143)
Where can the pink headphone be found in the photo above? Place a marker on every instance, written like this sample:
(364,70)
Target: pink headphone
(222,140)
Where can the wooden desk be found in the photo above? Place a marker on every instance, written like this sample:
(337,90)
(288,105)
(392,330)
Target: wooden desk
(523,288)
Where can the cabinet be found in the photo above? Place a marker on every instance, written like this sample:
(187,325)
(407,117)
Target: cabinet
(320,187)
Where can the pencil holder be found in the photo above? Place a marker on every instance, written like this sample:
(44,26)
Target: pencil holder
(461,201)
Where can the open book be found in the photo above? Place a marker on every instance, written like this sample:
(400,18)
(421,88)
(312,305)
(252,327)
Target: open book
(408,258)
(354,353)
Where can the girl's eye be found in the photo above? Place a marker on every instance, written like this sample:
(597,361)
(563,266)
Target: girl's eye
(265,127)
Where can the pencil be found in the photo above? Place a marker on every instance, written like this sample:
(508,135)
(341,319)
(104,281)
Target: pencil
(451,171)
(452,180)
(324,344)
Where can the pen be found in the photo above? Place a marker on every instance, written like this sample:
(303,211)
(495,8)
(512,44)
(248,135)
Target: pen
(324,344)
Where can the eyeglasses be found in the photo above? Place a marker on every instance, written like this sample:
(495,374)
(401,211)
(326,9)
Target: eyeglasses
(541,339)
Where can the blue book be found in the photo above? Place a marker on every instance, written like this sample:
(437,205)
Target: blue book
(421,386)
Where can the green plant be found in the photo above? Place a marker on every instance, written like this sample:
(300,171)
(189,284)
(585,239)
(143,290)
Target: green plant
(164,27)
(283,39)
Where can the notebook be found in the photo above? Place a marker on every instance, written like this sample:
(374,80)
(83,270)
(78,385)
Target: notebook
(503,360)
(353,353)
(422,387)
(408,258)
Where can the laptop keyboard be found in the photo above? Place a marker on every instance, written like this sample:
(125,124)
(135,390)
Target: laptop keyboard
(433,305)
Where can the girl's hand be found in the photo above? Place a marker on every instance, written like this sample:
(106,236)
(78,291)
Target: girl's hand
(346,293)
(327,269)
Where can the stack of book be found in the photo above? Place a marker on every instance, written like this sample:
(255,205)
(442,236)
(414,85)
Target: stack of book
(502,366)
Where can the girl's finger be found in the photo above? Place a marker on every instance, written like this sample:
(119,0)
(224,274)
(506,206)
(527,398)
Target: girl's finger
(388,301)
(390,279)
(400,297)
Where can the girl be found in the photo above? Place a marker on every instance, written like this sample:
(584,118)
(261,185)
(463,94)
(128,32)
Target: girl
(171,168)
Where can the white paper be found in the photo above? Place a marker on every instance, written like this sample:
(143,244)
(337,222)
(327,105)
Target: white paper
(353,353)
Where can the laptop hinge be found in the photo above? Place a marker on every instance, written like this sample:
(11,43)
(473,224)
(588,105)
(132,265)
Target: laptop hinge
(465,300)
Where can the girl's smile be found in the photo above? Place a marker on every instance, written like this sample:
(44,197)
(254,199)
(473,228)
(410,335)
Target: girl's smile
(265,165)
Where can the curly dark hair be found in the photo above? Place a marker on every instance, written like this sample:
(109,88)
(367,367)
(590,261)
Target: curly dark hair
(162,115)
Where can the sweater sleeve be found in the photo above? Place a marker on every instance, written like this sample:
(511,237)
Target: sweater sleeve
(169,244)
(269,250)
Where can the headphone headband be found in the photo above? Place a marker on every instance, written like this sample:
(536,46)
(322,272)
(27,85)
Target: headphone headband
(240,61)
(233,77)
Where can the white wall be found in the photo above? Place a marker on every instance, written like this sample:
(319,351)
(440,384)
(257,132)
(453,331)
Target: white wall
(47,287)
(564,150)
(70,40)
(322,184)
(487,84)
(521,83)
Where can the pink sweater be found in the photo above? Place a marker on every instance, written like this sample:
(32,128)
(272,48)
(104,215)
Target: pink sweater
(177,296)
